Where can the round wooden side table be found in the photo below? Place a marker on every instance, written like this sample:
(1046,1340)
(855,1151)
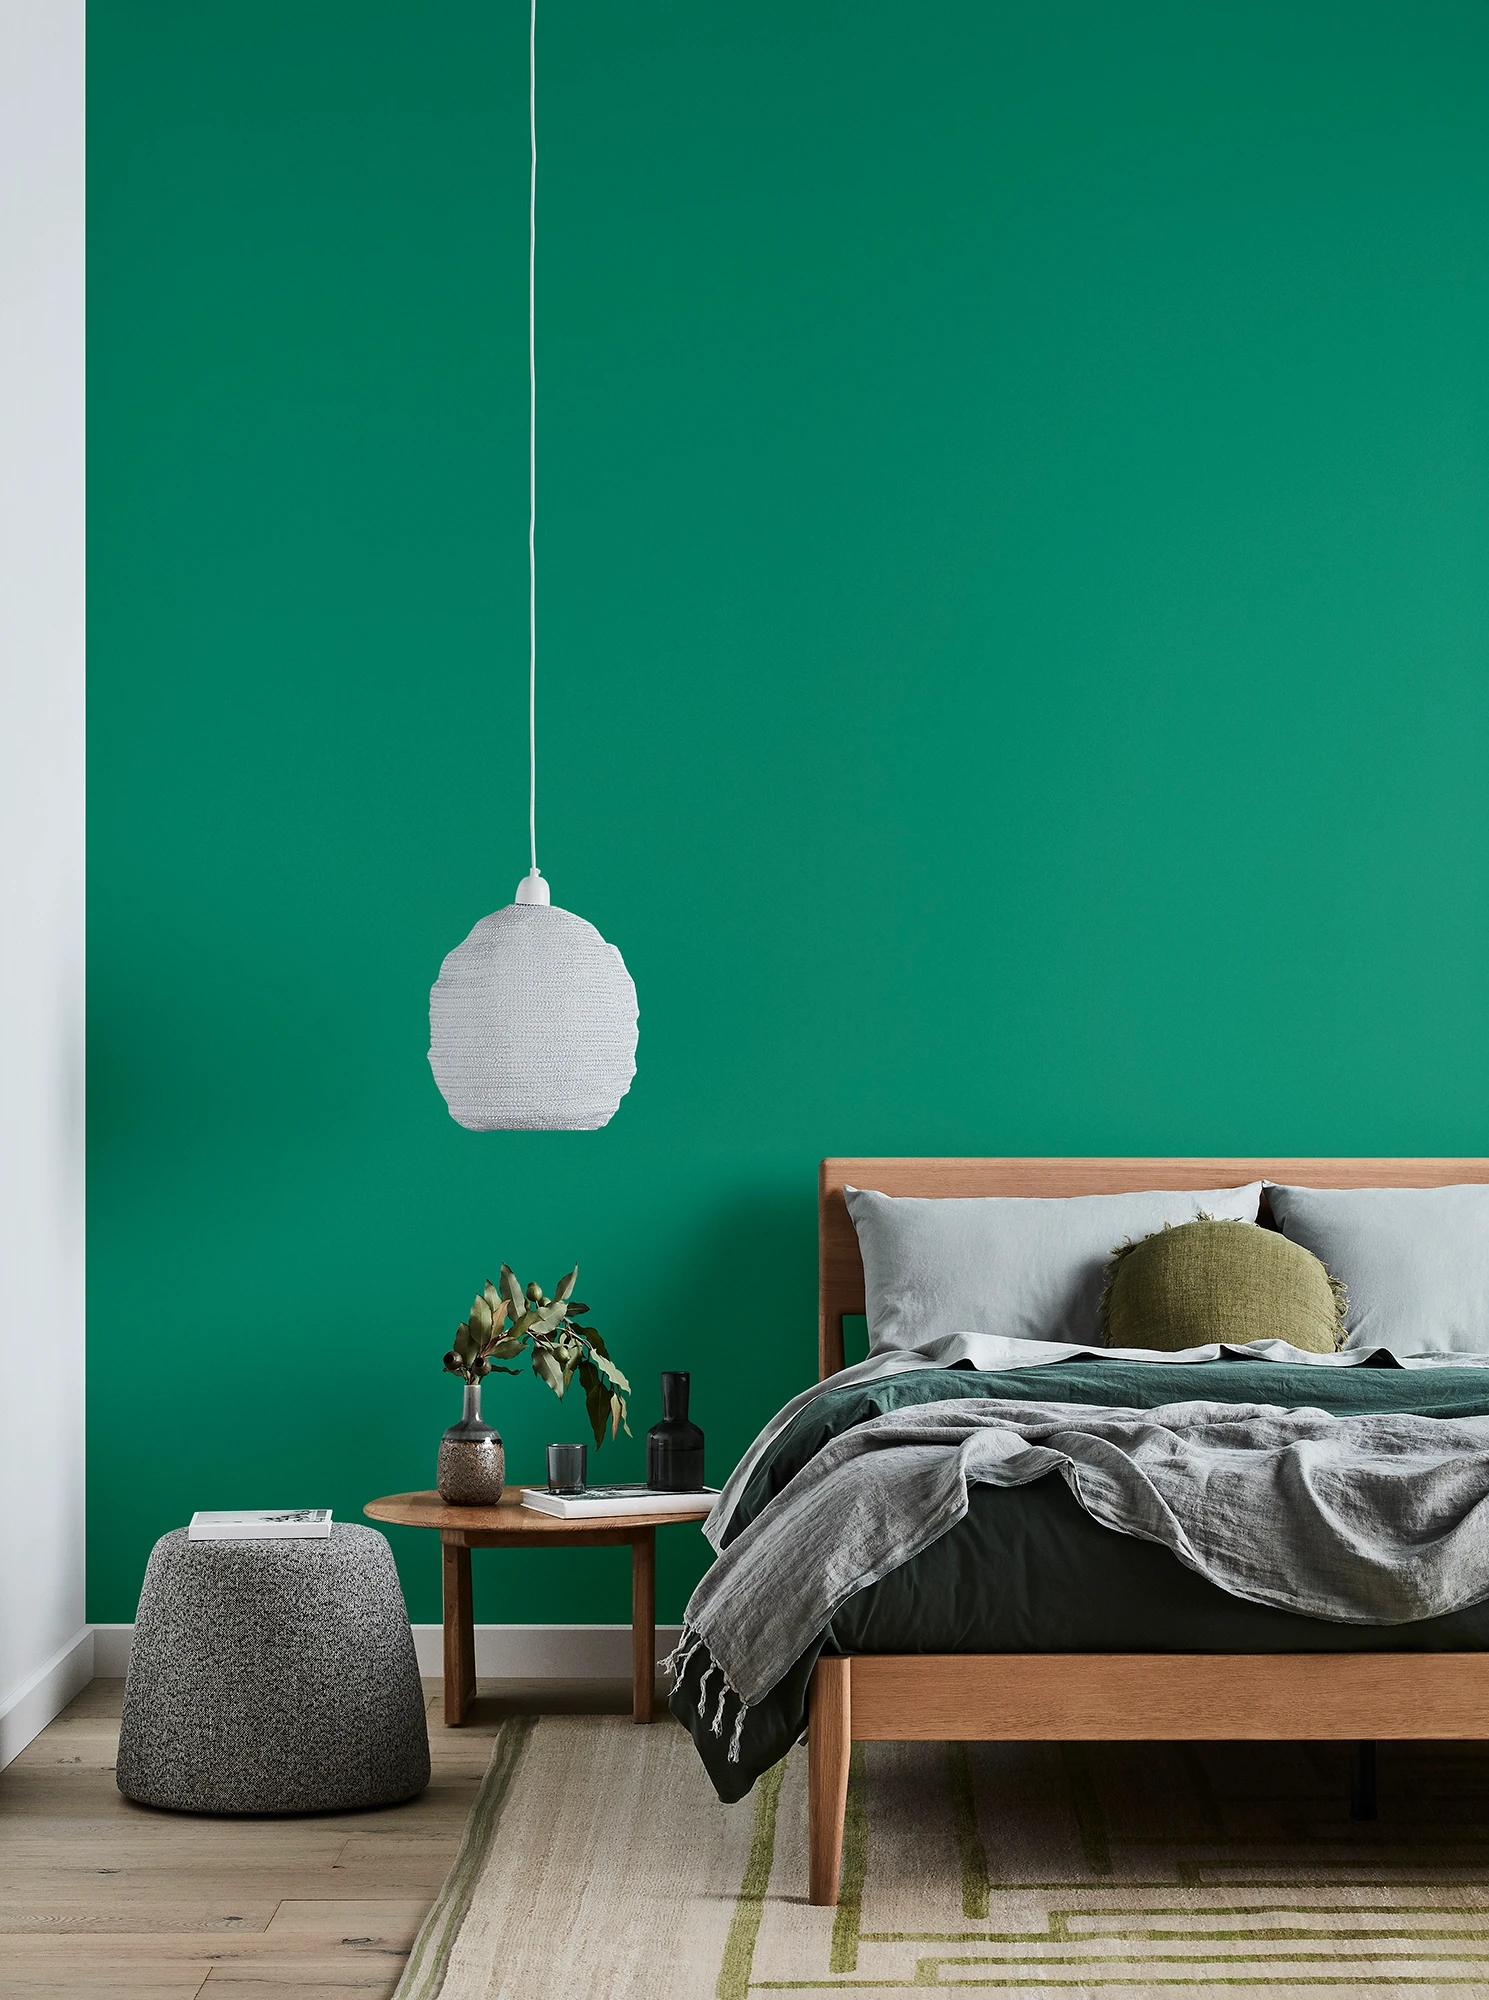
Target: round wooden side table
(510,1525)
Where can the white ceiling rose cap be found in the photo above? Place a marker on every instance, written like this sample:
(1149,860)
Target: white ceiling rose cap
(532,1022)
(532,888)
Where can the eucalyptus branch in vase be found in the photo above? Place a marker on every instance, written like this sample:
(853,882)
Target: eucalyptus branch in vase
(508,1319)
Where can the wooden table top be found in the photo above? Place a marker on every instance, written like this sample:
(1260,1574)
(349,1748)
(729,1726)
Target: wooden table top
(510,1517)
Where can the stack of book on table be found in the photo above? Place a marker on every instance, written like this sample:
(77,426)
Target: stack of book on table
(632,1499)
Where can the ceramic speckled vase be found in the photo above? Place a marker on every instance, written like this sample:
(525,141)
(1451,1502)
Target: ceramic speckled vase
(472,1464)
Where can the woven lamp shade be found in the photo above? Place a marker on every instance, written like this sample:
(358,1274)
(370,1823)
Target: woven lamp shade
(532,1024)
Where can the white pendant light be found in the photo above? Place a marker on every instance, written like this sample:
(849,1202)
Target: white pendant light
(532,1021)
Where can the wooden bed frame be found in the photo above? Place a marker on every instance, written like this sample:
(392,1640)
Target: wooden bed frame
(1066,1697)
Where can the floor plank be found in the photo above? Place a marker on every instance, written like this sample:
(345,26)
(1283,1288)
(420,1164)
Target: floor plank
(385,1920)
(40,1914)
(101,1899)
(146,1984)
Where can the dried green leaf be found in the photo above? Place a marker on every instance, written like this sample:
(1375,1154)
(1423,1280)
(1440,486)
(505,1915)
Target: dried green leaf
(480,1318)
(612,1374)
(597,1404)
(505,1349)
(512,1289)
(566,1287)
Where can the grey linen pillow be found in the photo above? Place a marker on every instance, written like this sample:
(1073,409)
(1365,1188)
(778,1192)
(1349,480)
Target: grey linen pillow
(1415,1261)
(1030,1267)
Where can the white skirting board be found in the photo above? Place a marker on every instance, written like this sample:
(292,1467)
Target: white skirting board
(47,1692)
(503,1652)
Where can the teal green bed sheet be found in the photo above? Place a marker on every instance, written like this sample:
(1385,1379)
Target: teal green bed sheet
(1029,1571)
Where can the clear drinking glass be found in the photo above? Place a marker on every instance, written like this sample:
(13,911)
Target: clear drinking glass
(566,1467)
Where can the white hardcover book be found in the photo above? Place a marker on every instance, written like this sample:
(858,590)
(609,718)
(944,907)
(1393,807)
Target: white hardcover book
(595,1501)
(262,1524)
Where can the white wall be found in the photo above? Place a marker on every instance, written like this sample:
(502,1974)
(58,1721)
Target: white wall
(45,1648)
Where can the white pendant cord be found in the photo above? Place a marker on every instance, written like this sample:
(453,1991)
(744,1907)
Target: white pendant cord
(532,444)
(532,888)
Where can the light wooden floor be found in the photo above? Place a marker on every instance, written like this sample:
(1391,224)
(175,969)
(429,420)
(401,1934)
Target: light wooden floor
(100,1898)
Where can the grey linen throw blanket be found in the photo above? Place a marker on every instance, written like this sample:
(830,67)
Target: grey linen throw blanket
(1369,1520)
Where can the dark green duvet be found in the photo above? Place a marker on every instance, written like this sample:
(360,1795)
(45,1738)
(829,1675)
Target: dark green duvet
(1029,1571)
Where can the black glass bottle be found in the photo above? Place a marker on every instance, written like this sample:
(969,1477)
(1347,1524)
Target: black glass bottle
(674,1447)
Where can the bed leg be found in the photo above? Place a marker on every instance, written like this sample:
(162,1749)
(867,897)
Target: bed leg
(1362,1782)
(829,1741)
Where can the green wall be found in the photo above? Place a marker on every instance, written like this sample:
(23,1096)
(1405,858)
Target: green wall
(1015,663)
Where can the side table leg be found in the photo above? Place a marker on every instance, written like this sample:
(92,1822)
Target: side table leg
(643,1623)
(460,1636)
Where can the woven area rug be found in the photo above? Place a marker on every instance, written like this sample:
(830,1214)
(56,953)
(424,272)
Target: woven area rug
(598,1863)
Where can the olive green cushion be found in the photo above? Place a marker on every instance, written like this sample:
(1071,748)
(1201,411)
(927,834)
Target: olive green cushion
(1207,1281)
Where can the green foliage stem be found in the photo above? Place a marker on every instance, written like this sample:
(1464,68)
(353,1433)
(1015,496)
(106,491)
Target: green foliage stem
(509,1317)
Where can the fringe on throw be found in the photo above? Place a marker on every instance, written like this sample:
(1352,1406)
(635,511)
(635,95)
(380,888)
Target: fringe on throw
(690,1643)
(676,1662)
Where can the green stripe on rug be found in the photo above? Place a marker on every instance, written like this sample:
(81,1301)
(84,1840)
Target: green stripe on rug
(744,1927)
(971,1853)
(925,1976)
(1085,1802)
(424,1973)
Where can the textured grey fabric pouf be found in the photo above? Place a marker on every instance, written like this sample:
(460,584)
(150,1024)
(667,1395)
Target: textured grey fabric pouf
(273,1677)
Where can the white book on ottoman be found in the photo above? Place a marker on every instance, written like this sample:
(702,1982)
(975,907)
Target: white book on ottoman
(262,1524)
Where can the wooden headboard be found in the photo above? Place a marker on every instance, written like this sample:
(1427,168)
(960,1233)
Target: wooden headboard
(840,1268)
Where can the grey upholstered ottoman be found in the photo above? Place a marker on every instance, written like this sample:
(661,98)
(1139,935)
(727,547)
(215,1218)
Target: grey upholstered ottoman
(273,1677)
